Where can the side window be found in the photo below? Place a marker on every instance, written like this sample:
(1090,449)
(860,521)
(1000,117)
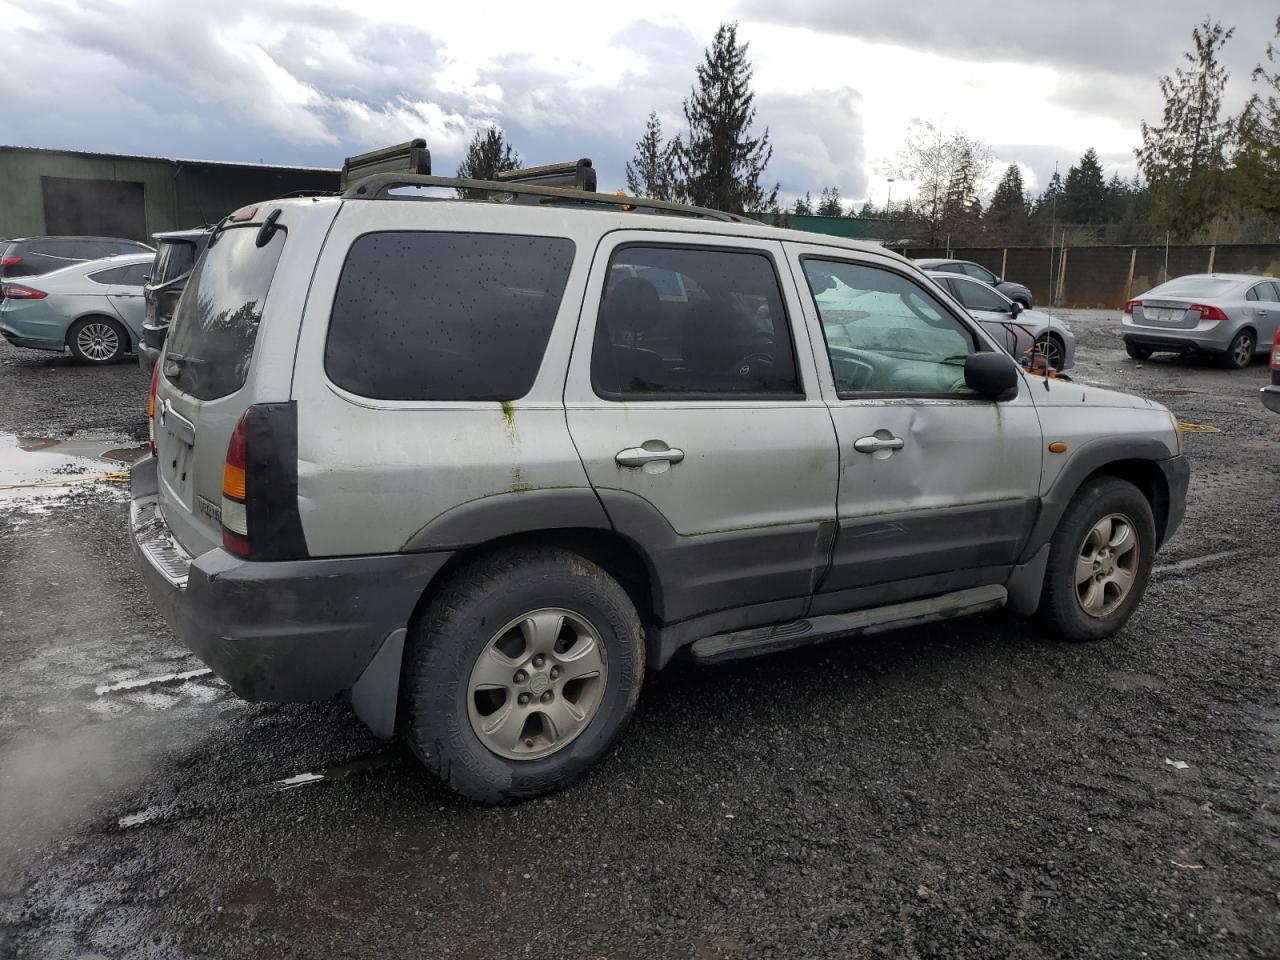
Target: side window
(1263,291)
(693,323)
(134,275)
(885,333)
(977,272)
(978,296)
(445,316)
(110,276)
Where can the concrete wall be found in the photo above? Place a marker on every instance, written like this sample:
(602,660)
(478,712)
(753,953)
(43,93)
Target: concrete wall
(1100,276)
(176,194)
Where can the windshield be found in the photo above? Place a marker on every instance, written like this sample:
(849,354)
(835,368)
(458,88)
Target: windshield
(1193,287)
(216,324)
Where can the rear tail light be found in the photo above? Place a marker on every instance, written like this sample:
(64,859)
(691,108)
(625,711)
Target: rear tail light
(17,291)
(10,261)
(260,519)
(151,408)
(1128,307)
(1207,312)
(1275,352)
(235,518)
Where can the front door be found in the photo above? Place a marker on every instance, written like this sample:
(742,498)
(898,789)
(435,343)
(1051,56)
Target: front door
(694,403)
(938,487)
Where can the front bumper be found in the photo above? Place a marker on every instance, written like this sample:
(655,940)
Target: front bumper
(285,631)
(1177,476)
(1271,397)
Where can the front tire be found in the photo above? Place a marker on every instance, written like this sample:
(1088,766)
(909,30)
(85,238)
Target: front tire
(97,340)
(523,671)
(1240,354)
(1100,559)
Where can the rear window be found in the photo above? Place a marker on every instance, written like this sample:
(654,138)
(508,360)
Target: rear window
(1193,287)
(216,324)
(173,259)
(445,316)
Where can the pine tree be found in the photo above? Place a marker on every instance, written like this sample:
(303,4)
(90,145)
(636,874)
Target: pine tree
(1183,159)
(803,206)
(1254,178)
(720,162)
(1084,195)
(830,204)
(947,169)
(1006,217)
(652,172)
(488,154)
(868,211)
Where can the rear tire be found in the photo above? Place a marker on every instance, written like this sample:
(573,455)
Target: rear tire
(1137,351)
(97,340)
(495,710)
(1097,574)
(1240,354)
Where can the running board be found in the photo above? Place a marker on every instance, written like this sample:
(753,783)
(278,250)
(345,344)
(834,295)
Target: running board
(749,643)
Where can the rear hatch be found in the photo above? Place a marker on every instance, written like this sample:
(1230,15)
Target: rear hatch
(199,395)
(1168,306)
(175,258)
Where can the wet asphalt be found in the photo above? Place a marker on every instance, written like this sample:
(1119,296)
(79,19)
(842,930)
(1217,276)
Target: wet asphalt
(973,789)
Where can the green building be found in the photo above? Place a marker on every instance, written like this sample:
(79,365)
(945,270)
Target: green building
(68,192)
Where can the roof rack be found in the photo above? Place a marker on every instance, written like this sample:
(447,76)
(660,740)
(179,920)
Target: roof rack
(575,174)
(409,157)
(379,187)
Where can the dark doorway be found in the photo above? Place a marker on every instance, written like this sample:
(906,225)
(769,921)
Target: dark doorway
(93,208)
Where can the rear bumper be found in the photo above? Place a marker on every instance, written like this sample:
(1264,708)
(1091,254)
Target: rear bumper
(1177,476)
(286,631)
(1271,397)
(30,343)
(1180,340)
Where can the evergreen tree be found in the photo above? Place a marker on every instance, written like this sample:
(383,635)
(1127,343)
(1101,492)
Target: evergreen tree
(868,211)
(488,154)
(652,172)
(1184,157)
(1006,217)
(947,169)
(830,204)
(1084,195)
(1254,180)
(719,160)
(803,206)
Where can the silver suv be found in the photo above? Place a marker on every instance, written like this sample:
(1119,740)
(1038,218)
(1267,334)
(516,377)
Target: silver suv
(478,464)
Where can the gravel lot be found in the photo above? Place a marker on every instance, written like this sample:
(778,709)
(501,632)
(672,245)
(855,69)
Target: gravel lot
(974,789)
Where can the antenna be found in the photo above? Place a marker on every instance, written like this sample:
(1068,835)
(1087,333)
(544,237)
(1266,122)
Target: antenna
(1053,289)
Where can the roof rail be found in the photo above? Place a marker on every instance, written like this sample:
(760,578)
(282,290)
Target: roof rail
(575,174)
(409,157)
(379,187)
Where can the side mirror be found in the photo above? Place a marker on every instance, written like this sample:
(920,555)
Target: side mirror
(991,376)
(1015,308)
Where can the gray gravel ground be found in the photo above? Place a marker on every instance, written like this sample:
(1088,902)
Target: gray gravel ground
(974,789)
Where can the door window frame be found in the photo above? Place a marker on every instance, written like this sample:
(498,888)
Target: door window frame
(606,251)
(983,342)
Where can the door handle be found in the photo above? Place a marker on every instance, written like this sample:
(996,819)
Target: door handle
(874,444)
(639,456)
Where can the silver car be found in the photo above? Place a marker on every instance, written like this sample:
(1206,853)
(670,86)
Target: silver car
(1228,315)
(1024,333)
(485,465)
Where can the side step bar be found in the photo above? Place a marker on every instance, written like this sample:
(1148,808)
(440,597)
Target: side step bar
(749,643)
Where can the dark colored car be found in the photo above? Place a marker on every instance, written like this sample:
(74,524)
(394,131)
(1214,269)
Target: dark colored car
(36,256)
(967,268)
(176,254)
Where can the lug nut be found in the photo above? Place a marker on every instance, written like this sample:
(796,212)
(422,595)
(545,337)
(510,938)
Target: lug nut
(546,697)
(523,699)
(539,660)
(520,676)
(528,742)
(555,672)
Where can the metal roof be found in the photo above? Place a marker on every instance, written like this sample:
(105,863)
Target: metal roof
(181,161)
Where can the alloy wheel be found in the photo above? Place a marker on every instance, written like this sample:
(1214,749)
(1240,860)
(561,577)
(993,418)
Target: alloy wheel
(537,684)
(98,341)
(1107,565)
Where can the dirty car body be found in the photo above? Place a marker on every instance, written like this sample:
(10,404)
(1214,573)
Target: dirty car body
(384,427)
(176,254)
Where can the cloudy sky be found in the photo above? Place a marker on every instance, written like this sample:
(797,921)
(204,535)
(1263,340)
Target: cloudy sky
(838,82)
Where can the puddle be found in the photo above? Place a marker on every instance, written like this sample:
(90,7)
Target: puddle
(41,468)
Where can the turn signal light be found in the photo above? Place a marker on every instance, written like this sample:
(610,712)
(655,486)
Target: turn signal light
(151,409)
(10,261)
(1275,353)
(235,520)
(1209,313)
(1128,307)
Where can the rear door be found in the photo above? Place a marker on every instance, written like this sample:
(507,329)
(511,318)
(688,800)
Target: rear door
(1262,305)
(125,295)
(938,487)
(693,401)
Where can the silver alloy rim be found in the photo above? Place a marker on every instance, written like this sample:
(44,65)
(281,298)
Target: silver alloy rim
(1244,352)
(537,684)
(1051,352)
(1107,565)
(98,341)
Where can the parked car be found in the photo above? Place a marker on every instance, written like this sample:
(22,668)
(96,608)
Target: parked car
(176,254)
(967,268)
(93,309)
(1271,392)
(36,256)
(1024,333)
(1229,316)
(481,465)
